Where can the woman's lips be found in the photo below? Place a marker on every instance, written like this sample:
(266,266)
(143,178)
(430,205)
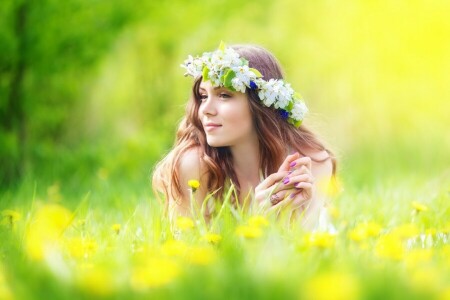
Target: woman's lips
(211,126)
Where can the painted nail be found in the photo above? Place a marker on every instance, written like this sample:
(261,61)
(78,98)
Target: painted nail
(290,172)
(292,164)
(291,196)
(286,180)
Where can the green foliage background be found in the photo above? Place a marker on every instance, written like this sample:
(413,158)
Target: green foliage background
(102,89)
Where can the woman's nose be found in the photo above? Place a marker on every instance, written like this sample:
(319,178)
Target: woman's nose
(208,107)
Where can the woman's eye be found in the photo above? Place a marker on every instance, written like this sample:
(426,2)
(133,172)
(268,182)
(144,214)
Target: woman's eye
(225,95)
(203,97)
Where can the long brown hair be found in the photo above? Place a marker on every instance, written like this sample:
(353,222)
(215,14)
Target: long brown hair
(276,136)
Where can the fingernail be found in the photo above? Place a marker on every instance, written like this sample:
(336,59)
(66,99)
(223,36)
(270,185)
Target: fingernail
(286,180)
(296,185)
(292,164)
(290,172)
(291,196)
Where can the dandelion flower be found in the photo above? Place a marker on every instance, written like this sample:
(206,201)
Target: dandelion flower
(258,221)
(418,207)
(10,217)
(194,184)
(184,223)
(201,256)
(249,232)
(320,239)
(116,228)
(212,238)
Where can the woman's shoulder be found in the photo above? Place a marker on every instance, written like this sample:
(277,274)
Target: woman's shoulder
(190,164)
(321,162)
(316,155)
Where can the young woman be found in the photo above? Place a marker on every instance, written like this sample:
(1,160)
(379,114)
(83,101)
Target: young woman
(243,126)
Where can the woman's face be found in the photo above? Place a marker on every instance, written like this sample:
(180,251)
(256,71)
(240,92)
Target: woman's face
(225,116)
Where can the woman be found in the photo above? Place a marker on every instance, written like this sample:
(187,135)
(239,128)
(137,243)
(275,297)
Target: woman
(243,126)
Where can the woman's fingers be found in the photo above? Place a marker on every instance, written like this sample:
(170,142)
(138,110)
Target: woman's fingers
(302,161)
(272,180)
(289,162)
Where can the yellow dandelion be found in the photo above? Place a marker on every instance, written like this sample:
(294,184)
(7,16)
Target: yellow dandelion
(96,280)
(249,232)
(390,246)
(336,286)
(10,217)
(116,228)
(47,227)
(258,221)
(321,240)
(80,247)
(212,238)
(194,184)
(184,223)
(154,272)
(174,248)
(405,231)
(418,207)
(417,257)
(201,256)
(364,230)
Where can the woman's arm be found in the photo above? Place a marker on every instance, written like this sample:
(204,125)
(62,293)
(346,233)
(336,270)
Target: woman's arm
(189,167)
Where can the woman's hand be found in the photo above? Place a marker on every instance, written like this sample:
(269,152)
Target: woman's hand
(292,185)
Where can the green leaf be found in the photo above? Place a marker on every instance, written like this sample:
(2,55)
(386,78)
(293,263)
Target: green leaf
(227,79)
(222,46)
(205,74)
(256,72)
(290,106)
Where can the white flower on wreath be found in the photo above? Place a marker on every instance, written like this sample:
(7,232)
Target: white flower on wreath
(299,111)
(193,66)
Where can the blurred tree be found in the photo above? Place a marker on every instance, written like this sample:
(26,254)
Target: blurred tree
(48,48)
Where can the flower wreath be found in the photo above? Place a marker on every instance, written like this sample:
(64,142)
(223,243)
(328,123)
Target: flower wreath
(224,67)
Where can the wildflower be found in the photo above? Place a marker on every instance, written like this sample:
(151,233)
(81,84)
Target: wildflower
(174,248)
(184,223)
(418,256)
(320,239)
(212,238)
(258,221)
(10,217)
(81,248)
(201,255)
(49,223)
(336,286)
(389,246)
(405,231)
(96,280)
(418,207)
(194,184)
(364,230)
(249,232)
(154,272)
(116,228)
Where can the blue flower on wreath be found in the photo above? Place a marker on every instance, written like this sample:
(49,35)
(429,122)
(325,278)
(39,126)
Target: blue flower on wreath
(284,114)
(253,85)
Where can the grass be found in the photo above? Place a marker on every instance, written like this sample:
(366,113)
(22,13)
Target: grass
(108,240)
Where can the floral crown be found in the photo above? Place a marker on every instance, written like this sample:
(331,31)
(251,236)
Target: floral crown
(224,67)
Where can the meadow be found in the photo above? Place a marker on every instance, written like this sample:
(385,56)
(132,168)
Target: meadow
(78,217)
